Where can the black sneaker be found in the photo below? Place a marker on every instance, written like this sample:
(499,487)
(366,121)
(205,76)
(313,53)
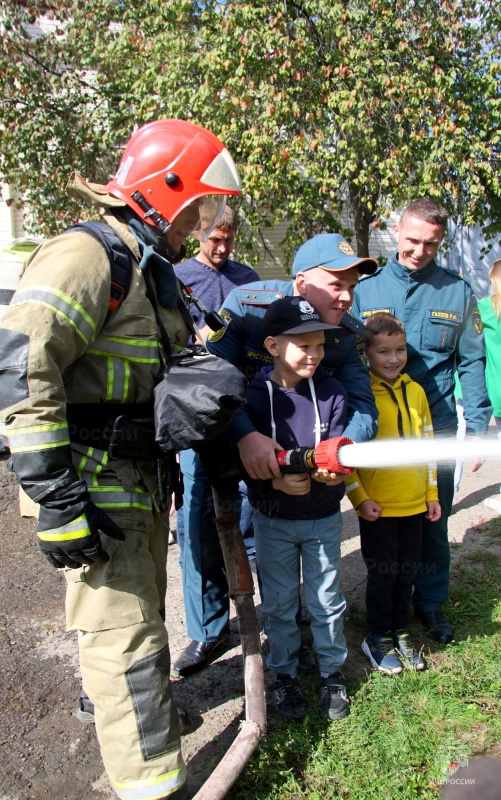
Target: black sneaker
(334,702)
(288,697)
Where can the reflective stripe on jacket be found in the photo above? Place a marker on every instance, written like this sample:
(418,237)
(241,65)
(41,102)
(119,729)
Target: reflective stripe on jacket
(57,347)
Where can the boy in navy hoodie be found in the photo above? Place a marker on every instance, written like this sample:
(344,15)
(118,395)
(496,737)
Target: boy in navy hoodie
(297,519)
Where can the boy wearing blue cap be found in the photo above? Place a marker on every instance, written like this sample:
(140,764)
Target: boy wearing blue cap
(297,517)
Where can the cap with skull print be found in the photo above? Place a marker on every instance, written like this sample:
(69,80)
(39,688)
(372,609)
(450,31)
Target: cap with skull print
(292,315)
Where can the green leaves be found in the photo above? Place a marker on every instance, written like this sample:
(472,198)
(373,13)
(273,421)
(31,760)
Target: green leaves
(323,104)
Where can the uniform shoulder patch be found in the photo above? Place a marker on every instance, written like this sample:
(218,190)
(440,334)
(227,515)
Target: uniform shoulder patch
(364,278)
(215,336)
(476,319)
(458,275)
(360,345)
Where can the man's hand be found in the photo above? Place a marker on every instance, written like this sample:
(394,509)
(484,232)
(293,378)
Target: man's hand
(369,510)
(329,478)
(258,454)
(434,511)
(294,484)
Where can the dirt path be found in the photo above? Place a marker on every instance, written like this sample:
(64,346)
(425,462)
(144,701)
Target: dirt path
(45,752)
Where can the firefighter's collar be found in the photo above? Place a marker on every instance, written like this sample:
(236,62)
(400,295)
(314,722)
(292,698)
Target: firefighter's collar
(94,194)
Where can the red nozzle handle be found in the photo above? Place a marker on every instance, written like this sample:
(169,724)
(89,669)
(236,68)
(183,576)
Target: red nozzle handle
(326,455)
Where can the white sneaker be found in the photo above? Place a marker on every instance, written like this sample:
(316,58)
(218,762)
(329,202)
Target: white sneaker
(494,502)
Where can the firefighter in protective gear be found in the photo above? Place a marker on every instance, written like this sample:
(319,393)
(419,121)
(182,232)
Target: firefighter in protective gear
(77,393)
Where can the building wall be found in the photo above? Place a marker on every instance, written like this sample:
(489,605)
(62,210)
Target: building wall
(467,257)
(11,228)
(271,260)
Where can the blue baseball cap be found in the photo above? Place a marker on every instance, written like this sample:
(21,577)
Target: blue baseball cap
(331,252)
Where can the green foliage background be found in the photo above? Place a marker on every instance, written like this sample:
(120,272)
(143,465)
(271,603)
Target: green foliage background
(322,103)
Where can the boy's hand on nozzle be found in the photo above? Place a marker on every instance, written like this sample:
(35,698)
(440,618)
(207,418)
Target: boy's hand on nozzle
(259,456)
(369,510)
(329,478)
(434,511)
(293,483)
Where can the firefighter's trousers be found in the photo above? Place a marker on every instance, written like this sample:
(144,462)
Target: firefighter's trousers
(124,657)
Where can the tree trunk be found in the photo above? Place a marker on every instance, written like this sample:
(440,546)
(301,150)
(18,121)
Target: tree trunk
(362,219)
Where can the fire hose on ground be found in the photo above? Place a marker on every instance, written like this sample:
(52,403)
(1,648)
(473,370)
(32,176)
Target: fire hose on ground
(241,591)
(339,455)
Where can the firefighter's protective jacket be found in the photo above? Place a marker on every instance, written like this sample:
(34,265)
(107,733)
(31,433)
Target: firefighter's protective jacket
(57,347)
(62,358)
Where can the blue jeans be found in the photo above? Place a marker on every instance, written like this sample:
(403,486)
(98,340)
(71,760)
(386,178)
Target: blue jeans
(280,546)
(205,587)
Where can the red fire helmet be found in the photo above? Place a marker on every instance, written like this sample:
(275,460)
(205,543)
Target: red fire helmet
(169,163)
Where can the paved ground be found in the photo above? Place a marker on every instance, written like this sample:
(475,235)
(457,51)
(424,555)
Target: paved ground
(45,753)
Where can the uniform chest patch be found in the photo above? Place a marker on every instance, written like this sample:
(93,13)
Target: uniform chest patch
(455,317)
(369,312)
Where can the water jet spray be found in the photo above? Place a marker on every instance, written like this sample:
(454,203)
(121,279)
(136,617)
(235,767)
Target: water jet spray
(342,456)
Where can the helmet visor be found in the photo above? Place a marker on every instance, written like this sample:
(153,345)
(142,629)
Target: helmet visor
(211,211)
(198,218)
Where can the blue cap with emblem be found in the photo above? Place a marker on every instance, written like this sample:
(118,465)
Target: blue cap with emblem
(331,252)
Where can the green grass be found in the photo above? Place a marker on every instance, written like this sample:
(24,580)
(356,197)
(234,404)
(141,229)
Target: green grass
(492,531)
(403,731)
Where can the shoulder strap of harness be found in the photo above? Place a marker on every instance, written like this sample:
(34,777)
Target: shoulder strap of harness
(119,257)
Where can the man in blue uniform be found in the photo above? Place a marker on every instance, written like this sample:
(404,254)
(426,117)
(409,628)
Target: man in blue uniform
(211,275)
(443,328)
(325,272)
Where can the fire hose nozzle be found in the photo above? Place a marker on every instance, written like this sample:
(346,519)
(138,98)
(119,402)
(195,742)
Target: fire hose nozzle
(327,455)
(307,459)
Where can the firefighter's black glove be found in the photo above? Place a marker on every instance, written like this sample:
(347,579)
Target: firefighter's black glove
(69,525)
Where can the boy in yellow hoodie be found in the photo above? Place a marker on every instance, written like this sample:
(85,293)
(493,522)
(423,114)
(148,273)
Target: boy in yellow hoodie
(392,503)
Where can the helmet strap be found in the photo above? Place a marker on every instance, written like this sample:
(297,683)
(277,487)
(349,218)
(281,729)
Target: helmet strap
(147,234)
(151,213)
